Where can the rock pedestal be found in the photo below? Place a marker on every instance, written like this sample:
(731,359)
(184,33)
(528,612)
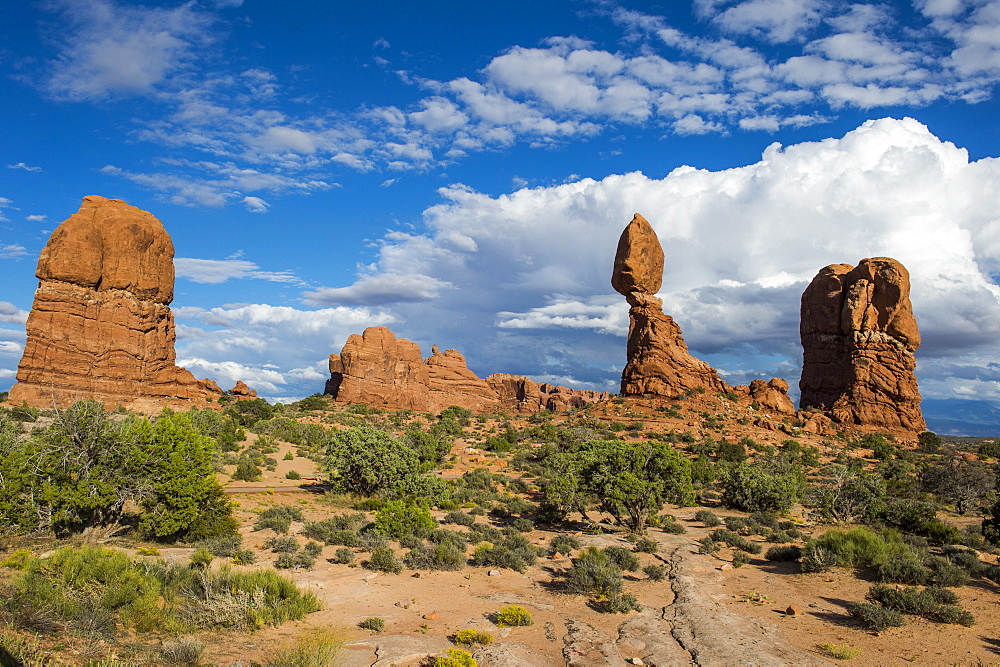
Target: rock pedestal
(658,361)
(100,326)
(859,336)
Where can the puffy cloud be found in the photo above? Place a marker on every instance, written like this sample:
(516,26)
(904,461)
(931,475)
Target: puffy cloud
(12,314)
(12,251)
(530,269)
(256,204)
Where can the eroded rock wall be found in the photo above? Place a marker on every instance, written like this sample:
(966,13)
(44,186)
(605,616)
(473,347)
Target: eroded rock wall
(859,337)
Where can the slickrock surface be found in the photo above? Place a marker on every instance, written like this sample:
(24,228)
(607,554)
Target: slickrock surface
(100,326)
(379,369)
(659,363)
(859,336)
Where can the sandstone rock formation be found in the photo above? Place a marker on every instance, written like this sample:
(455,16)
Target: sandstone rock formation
(858,340)
(659,363)
(100,326)
(242,392)
(379,369)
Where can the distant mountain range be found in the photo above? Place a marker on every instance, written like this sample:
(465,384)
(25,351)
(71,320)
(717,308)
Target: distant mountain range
(951,416)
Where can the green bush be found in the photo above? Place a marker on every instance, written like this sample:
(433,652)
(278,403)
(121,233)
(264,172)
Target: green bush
(400,519)
(563,544)
(471,636)
(278,518)
(384,559)
(756,488)
(246,471)
(622,558)
(512,551)
(621,603)
(655,572)
(875,617)
(292,474)
(368,462)
(455,658)
(647,545)
(222,547)
(373,623)
(783,553)
(459,517)
(514,616)
(343,556)
(707,517)
(736,541)
(442,556)
(282,545)
(594,572)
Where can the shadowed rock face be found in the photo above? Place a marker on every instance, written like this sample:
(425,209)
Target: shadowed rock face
(379,369)
(859,336)
(100,326)
(659,363)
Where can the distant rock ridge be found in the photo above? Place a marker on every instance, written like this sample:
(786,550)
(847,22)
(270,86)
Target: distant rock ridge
(380,369)
(100,326)
(858,337)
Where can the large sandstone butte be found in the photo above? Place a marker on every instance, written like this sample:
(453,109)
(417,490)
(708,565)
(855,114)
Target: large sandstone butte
(658,361)
(858,341)
(100,326)
(380,369)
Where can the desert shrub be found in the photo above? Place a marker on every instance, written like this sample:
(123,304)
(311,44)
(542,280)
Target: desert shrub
(817,558)
(934,604)
(740,558)
(669,525)
(907,513)
(373,623)
(875,617)
(278,518)
(512,551)
(594,572)
(655,572)
(707,517)
(246,471)
(904,570)
(244,557)
(523,525)
(938,532)
(757,488)
(399,519)
(563,544)
(647,545)
(707,545)
(736,541)
(442,556)
(181,651)
(343,556)
(783,553)
(384,559)
(201,557)
(737,524)
(455,658)
(621,603)
(373,539)
(312,648)
(840,651)
(292,474)
(945,573)
(471,636)
(622,558)
(325,532)
(282,545)
(514,616)
(223,546)
(857,547)
(459,517)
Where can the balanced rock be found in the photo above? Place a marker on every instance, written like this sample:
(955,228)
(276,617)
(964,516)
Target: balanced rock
(241,392)
(658,361)
(380,369)
(859,336)
(100,326)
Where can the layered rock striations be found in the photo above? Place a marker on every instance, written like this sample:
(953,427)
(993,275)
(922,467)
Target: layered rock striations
(100,326)
(658,361)
(858,337)
(378,368)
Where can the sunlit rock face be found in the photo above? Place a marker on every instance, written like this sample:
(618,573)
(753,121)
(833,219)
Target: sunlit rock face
(100,326)
(859,336)
(658,361)
(380,369)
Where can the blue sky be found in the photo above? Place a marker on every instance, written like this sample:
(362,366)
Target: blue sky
(461,172)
